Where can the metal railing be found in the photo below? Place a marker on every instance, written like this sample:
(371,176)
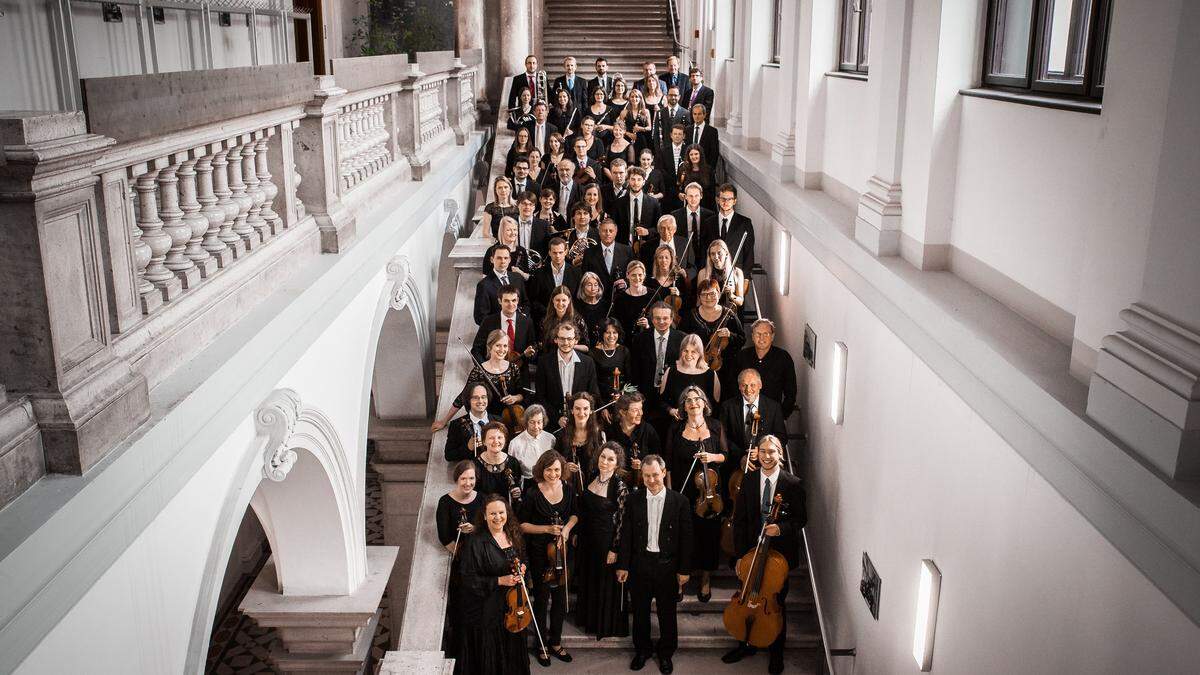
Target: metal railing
(675,33)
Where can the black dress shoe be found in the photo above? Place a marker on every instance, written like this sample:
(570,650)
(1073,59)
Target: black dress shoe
(639,660)
(665,666)
(737,653)
(543,660)
(776,664)
(704,597)
(561,654)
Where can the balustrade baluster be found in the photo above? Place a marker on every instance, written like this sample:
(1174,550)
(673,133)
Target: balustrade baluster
(254,188)
(296,178)
(269,189)
(196,221)
(212,211)
(229,208)
(244,201)
(173,225)
(150,296)
(152,234)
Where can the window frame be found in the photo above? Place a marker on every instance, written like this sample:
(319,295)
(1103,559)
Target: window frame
(862,36)
(1091,88)
(776,32)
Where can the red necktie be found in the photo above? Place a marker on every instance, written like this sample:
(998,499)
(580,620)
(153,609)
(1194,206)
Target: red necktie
(512,335)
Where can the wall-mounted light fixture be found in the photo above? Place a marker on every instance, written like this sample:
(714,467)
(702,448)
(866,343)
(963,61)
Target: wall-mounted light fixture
(783,259)
(837,394)
(928,592)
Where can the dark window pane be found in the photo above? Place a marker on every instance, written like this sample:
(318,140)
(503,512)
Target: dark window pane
(849,34)
(864,27)
(1067,23)
(1010,46)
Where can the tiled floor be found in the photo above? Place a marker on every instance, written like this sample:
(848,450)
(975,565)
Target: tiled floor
(240,647)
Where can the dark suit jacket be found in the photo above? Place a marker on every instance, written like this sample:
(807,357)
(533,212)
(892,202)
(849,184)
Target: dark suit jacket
(576,192)
(707,233)
(549,385)
(674,531)
(550,129)
(667,120)
(665,163)
(748,525)
(650,245)
(593,261)
(739,224)
(679,80)
(458,432)
(522,326)
(733,418)
(704,97)
(578,92)
(710,144)
(642,353)
(608,194)
(595,82)
(520,82)
(487,295)
(541,283)
(621,212)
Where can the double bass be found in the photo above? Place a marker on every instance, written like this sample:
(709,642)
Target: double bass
(735,487)
(754,615)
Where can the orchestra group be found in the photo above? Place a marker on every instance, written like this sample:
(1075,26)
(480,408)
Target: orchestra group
(623,437)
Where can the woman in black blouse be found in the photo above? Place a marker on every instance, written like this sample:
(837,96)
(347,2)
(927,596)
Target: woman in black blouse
(547,514)
(456,511)
(580,438)
(695,169)
(589,302)
(504,205)
(629,429)
(610,356)
(487,648)
(633,301)
(496,367)
(690,369)
(705,321)
(496,471)
(563,115)
(561,309)
(599,609)
(520,148)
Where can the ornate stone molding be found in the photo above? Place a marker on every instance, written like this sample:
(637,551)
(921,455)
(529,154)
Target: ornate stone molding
(276,419)
(453,219)
(399,270)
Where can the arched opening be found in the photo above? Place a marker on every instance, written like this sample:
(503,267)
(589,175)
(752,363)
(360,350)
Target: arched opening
(235,641)
(401,388)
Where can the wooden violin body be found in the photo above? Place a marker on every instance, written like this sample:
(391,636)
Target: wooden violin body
(518,613)
(708,503)
(754,615)
(716,346)
(555,574)
(513,414)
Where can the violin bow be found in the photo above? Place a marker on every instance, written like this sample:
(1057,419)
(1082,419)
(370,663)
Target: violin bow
(532,615)
(491,385)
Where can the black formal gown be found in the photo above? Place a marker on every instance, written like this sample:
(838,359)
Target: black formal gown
(694,323)
(579,454)
(593,316)
(677,382)
(537,510)
(493,479)
(606,362)
(628,309)
(449,514)
(487,648)
(514,383)
(598,607)
(642,441)
(706,553)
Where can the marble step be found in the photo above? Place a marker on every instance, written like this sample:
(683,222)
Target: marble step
(696,631)
(608,661)
(799,601)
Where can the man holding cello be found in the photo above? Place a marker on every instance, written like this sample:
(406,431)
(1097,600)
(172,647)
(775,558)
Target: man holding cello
(759,489)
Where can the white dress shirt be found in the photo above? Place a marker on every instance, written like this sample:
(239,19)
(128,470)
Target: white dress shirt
(502,276)
(558,274)
(723,221)
(476,422)
(654,511)
(566,371)
(524,232)
(678,150)
(748,408)
(528,449)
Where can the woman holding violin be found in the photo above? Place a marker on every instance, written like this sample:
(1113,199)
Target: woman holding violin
(631,302)
(504,379)
(689,370)
(456,511)
(580,438)
(488,560)
(507,236)
(600,609)
(667,275)
(612,360)
(547,519)
(561,309)
(497,472)
(720,268)
(696,447)
(719,328)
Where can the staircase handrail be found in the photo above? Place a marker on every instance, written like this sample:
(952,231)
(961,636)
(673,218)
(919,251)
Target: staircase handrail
(675,33)
(812,579)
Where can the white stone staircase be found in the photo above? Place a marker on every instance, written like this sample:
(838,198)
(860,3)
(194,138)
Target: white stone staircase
(625,33)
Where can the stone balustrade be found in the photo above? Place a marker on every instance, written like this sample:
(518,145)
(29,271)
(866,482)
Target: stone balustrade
(138,230)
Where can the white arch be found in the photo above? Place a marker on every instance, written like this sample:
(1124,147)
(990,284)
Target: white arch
(404,338)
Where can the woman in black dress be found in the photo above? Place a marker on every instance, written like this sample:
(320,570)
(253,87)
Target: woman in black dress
(487,648)
(580,438)
(556,151)
(703,321)
(547,514)
(637,437)
(521,115)
(497,366)
(619,147)
(456,511)
(689,370)
(504,205)
(654,176)
(563,115)
(673,280)
(520,148)
(599,609)
(599,111)
(589,300)
(612,360)
(698,438)
(506,235)
(497,472)
(547,200)
(561,309)
(695,169)
(631,302)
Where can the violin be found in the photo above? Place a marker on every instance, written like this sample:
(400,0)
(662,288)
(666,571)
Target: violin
(635,453)
(716,344)
(556,553)
(519,359)
(708,502)
(616,384)
(513,414)
(518,613)
(513,492)
(753,615)
(735,487)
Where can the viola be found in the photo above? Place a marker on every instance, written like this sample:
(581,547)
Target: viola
(555,574)
(753,615)
(708,502)
(717,344)
(518,612)
(513,414)
(735,488)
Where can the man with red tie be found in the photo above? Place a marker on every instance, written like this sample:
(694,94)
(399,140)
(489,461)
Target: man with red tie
(525,80)
(514,323)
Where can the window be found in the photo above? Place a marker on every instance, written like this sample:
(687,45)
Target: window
(856,35)
(1052,47)
(776,31)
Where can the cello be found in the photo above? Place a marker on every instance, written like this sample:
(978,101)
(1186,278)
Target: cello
(518,613)
(735,486)
(753,615)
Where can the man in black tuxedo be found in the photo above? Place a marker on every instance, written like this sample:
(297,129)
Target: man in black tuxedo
(602,80)
(649,72)
(668,161)
(540,129)
(615,190)
(696,222)
(575,85)
(673,78)
(521,182)
(732,225)
(774,365)
(667,232)
(608,260)
(655,557)
(563,372)
(637,212)
(464,433)
(651,353)
(759,489)
(532,233)
(555,271)
(509,320)
(672,113)
(566,191)
(696,93)
(525,80)
(487,291)
(737,416)
(701,133)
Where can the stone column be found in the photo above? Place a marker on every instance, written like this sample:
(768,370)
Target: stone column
(316,157)
(1146,386)
(515,42)
(469,24)
(55,325)
(877,226)
(783,145)
(816,57)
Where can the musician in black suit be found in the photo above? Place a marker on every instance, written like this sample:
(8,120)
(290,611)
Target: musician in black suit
(574,85)
(696,222)
(637,213)
(532,233)
(701,133)
(649,72)
(540,127)
(602,80)
(608,260)
(655,556)
(759,489)
(651,352)
(673,78)
(669,159)
(737,415)
(509,318)
(525,80)
(672,113)
(732,225)
(555,271)
(617,188)
(667,232)
(463,433)
(487,291)
(695,93)
(580,369)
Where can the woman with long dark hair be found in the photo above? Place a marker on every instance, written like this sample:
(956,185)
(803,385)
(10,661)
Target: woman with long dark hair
(599,609)
(456,511)
(548,515)
(695,169)
(580,438)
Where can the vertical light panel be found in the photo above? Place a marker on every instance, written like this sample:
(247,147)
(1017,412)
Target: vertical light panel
(837,394)
(783,259)
(928,593)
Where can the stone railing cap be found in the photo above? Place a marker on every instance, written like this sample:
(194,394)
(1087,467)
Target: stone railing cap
(26,127)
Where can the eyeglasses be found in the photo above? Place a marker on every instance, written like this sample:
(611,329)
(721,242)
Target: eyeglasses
(693,399)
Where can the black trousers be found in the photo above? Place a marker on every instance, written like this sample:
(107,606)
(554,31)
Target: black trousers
(557,598)
(653,578)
